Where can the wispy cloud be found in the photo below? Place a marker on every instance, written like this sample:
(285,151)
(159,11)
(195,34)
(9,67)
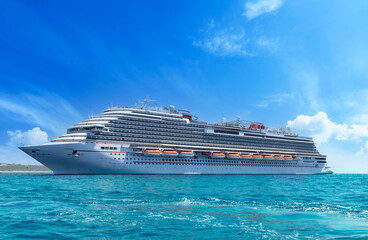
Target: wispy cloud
(275,99)
(224,43)
(351,106)
(230,43)
(363,150)
(269,44)
(48,111)
(233,41)
(258,8)
(304,79)
(40,110)
(309,85)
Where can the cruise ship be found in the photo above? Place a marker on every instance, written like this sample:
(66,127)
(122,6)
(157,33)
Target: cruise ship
(152,140)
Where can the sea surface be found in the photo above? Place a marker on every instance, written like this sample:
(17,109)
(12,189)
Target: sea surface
(44,206)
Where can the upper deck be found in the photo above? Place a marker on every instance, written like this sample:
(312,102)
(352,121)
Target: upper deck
(233,127)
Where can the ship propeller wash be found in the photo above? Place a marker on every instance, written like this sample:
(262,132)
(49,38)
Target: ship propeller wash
(152,140)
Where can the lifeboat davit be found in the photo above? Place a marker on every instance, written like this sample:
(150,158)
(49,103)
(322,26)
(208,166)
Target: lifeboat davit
(233,155)
(267,156)
(138,150)
(258,156)
(277,157)
(170,152)
(217,155)
(186,153)
(245,155)
(288,157)
(152,151)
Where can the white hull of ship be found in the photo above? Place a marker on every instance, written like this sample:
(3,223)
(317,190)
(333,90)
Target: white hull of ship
(88,158)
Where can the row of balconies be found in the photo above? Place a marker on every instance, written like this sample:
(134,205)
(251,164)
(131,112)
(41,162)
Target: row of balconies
(191,137)
(164,128)
(157,131)
(190,142)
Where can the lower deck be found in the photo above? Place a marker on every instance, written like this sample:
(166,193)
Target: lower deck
(89,159)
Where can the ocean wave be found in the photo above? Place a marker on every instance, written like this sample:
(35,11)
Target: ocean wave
(240,207)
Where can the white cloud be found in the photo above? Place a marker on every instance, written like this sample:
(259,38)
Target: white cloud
(33,136)
(9,152)
(318,125)
(340,142)
(224,43)
(321,128)
(258,8)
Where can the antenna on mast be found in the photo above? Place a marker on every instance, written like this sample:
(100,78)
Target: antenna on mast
(144,103)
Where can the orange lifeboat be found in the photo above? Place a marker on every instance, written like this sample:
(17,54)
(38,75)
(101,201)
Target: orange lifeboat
(277,157)
(245,155)
(170,152)
(186,153)
(259,156)
(268,156)
(288,157)
(152,151)
(233,155)
(217,155)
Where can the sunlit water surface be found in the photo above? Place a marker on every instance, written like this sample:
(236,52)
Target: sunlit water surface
(181,207)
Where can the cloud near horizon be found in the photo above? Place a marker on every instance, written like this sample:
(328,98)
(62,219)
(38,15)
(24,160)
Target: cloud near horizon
(38,110)
(9,152)
(322,129)
(345,145)
(34,136)
(258,8)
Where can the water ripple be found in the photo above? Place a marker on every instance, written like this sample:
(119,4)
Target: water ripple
(182,207)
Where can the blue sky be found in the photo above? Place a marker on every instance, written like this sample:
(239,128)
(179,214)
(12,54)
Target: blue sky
(281,62)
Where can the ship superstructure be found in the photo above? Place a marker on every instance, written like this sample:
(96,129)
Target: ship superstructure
(151,140)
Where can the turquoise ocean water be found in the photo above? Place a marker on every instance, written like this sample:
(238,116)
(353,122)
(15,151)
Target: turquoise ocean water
(181,207)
